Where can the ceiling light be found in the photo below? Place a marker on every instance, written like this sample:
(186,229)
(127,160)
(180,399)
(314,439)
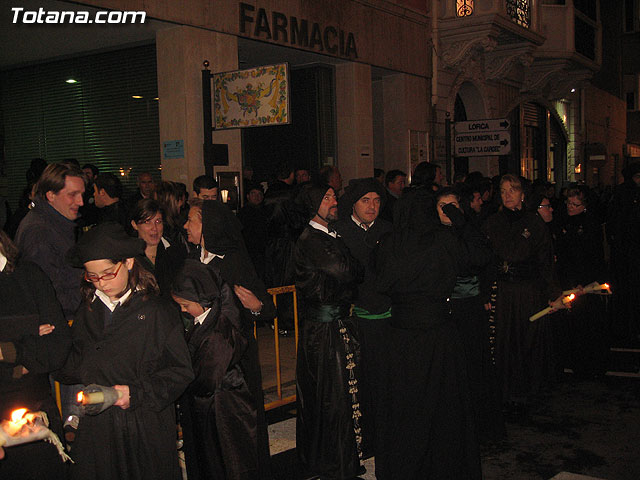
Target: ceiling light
(71,80)
(573,90)
(136,96)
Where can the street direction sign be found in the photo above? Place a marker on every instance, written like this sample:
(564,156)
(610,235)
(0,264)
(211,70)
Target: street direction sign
(482,137)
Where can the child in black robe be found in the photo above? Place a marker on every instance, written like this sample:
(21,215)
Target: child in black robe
(223,415)
(127,337)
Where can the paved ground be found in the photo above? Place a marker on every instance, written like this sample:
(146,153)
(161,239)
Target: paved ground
(582,429)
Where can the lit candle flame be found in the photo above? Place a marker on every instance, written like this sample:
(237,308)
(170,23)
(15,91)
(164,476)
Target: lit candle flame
(17,415)
(80,397)
(571,297)
(606,286)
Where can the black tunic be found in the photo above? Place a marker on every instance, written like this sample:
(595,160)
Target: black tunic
(327,431)
(523,260)
(142,347)
(428,429)
(168,261)
(28,300)
(223,411)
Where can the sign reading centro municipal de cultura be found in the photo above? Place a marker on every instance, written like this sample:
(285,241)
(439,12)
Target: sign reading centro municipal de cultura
(278,27)
(478,138)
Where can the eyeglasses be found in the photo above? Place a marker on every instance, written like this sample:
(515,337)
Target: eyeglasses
(93,278)
(544,206)
(574,204)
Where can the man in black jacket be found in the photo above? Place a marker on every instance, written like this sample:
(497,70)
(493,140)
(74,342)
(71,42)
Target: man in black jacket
(361,229)
(45,235)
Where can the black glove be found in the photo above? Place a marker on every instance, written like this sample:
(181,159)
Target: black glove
(455,215)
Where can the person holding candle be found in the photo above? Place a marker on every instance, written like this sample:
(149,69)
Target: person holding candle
(34,340)
(221,434)
(127,337)
(523,265)
(581,261)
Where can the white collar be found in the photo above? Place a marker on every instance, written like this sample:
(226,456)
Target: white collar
(165,242)
(360,224)
(200,318)
(107,301)
(322,228)
(3,262)
(206,257)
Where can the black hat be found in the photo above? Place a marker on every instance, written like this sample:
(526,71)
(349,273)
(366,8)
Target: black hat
(105,241)
(357,188)
(198,283)
(311,195)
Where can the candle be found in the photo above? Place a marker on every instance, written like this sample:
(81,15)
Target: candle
(565,301)
(593,287)
(90,398)
(23,427)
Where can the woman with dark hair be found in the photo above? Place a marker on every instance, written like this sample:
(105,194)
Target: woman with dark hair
(580,256)
(523,264)
(170,198)
(160,257)
(221,429)
(427,174)
(34,341)
(127,337)
(427,429)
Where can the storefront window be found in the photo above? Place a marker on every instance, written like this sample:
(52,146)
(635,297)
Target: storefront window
(464,8)
(520,12)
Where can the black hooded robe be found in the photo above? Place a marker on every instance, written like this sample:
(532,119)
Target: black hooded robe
(142,347)
(427,431)
(222,426)
(222,233)
(327,431)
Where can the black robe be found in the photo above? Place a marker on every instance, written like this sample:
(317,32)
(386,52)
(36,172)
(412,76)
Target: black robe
(580,257)
(428,428)
(328,437)
(523,265)
(168,261)
(223,236)
(223,412)
(143,347)
(28,300)
(369,302)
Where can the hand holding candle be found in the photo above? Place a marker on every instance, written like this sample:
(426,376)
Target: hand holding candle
(96,399)
(562,302)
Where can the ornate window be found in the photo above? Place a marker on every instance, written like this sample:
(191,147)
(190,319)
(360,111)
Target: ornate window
(520,12)
(464,8)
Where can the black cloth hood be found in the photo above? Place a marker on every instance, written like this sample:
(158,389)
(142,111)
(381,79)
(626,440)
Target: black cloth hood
(197,283)
(221,230)
(357,188)
(105,241)
(310,197)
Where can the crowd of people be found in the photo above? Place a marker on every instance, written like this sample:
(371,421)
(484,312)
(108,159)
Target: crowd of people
(414,305)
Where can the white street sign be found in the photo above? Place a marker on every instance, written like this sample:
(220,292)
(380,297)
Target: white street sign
(482,137)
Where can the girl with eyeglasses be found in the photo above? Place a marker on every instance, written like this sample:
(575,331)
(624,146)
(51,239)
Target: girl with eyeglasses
(127,337)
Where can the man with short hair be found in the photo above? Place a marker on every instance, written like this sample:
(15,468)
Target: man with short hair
(330,175)
(328,436)
(395,181)
(361,230)
(48,230)
(44,236)
(205,187)
(146,187)
(107,191)
(302,176)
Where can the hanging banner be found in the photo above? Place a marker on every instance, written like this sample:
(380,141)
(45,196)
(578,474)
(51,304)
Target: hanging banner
(251,98)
